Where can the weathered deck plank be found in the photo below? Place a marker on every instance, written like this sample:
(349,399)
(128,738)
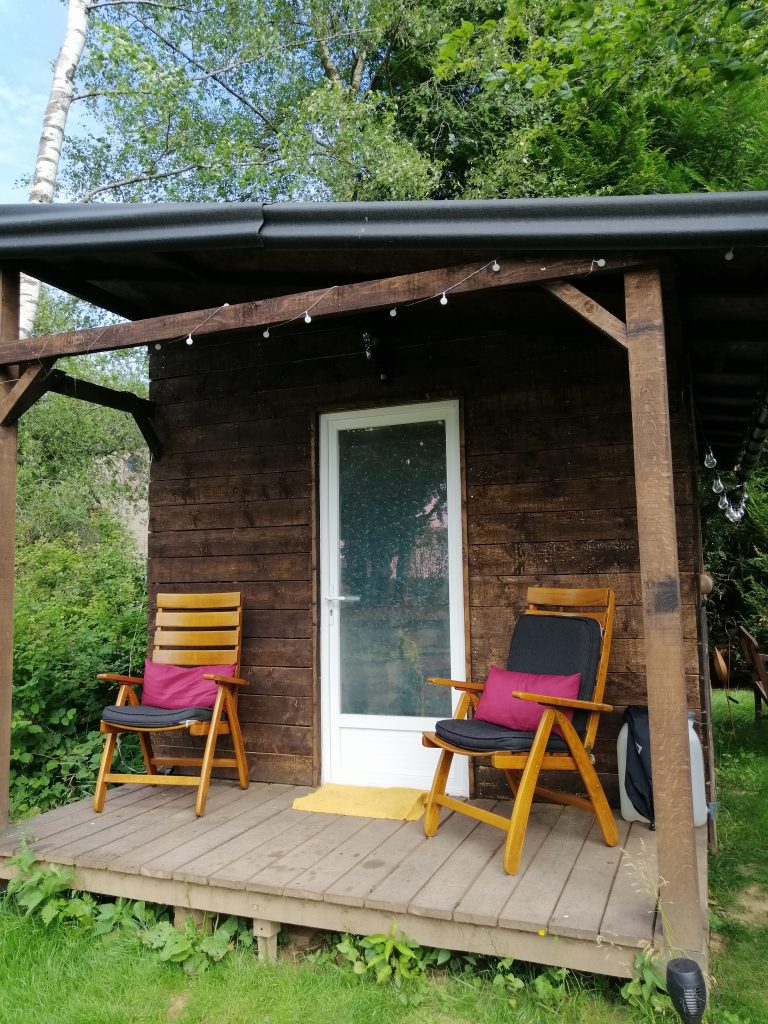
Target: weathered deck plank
(253,855)
(579,911)
(395,892)
(491,890)
(281,834)
(530,906)
(313,883)
(353,888)
(205,856)
(276,876)
(445,889)
(631,907)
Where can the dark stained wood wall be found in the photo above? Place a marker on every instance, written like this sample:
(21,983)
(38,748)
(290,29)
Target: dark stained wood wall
(549,488)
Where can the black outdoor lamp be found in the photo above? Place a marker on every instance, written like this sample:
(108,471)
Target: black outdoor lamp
(687,990)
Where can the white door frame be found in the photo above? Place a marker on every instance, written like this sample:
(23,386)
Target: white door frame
(332,720)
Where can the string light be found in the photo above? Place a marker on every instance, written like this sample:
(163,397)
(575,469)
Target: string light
(393,311)
(307,317)
(443,299)
(265,334)
(189,340)
(717,485)
(709,459)
(495,267)
(723,501)
(729,255)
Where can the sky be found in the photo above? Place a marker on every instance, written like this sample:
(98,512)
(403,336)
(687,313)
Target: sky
(30,37)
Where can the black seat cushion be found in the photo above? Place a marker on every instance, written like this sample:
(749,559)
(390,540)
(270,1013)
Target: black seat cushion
(472,734)
(144,716)
(558,645)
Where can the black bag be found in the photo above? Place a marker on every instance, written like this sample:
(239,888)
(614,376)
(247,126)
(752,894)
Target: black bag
(638,777)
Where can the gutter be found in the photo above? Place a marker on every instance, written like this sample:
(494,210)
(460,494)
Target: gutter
(604,223)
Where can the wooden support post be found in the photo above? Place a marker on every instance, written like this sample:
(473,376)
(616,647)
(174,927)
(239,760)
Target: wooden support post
(265,933)
(679,903)
(9,328)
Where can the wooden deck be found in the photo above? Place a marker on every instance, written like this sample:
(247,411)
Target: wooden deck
(574,903)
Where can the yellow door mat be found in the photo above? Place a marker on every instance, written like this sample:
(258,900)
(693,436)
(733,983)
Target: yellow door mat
(364,802)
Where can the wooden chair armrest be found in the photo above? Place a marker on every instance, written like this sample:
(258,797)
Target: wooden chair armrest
(562,702)
(126,680)
(225,679)
(458,684)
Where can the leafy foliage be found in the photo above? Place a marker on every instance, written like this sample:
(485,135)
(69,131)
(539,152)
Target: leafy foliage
(647,991)
(737,557)
(269,100)
(49,893)
(80,603)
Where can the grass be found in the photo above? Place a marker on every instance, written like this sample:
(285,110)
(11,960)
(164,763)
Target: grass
(739,871)
(61,974)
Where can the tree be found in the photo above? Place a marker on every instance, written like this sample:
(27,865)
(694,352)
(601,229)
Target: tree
(244,100)
(80,582)
(43,181)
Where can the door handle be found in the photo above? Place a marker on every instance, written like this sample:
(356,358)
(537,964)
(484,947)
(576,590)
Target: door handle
(345,597)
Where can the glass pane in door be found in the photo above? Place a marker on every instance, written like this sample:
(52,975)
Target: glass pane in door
(393,570)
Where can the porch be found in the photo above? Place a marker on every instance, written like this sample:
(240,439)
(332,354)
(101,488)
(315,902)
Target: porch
(575,902)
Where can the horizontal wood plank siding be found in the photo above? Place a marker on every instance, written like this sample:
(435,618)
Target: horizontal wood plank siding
(549,487)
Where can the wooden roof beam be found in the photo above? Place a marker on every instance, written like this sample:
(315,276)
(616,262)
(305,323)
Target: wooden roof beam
(588,309)
(335,301)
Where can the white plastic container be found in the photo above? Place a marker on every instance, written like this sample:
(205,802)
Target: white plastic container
(698,789)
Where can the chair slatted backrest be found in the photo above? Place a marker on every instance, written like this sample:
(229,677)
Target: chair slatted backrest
(198,629)
(584,602)
(754,660)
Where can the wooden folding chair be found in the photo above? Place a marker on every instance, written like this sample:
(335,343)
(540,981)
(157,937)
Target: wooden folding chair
(562,632)
(190,630)
(757,668)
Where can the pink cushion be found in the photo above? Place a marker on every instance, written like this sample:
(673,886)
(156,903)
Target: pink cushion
(497,705)
(170,686)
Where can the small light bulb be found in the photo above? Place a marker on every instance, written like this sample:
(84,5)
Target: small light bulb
(729,255)
(722,501)
(600,262)
(307,318)
(495,267)
(717,486)
(265,334)
(158,346)
(393,311)
(190,340)
(443,299)
(709,459)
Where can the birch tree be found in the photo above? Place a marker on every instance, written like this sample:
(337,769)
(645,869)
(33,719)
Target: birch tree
(46,168)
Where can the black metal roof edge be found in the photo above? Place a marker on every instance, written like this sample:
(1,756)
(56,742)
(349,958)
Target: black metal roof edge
(42,229)
(684,221)
(700,220)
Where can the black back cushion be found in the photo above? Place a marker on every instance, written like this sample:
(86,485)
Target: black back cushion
(558,645)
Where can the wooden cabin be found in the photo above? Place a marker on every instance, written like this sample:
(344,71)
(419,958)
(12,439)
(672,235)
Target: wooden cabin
(383,422)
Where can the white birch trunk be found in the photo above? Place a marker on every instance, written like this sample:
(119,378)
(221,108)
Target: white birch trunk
(52,137)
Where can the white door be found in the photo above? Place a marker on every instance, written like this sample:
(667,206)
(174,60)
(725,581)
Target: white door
(392,602)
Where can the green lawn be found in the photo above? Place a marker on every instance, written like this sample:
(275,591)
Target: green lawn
(59,974)
(739,871)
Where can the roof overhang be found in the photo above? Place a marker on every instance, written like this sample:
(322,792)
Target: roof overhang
(142,260)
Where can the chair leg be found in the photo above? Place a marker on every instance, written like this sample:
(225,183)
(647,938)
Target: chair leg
(603,812)
(210,750)
(440,781)
(100,793)
(237,740)
(513,848)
